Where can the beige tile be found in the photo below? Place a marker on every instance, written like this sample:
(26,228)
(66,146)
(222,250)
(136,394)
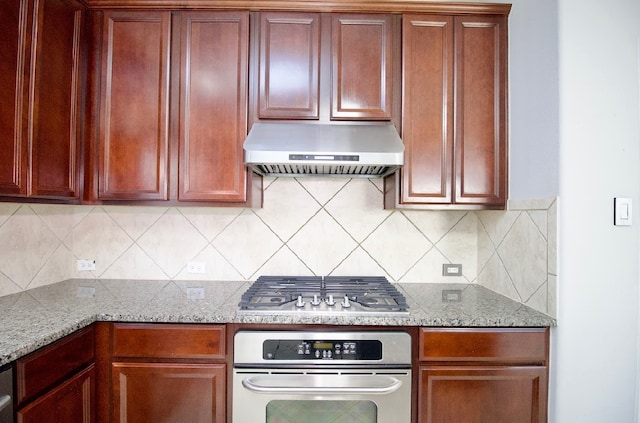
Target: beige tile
(429,270)
(6,210)
(26,243)
(322,244)
(134,264)
(60,266)
(7,286)
(497,223)
(322,188)
(217,268)
(434,224)
(460,245)
(552,239)
(538,300)
(61,219)
(283,262)
(360,263)
(210,221)
(358,208)
(171,242)
(495,277)
(287,207)
(396,245)
(247,243)
(135,220)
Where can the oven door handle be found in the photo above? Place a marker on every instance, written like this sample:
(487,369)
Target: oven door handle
(277,384)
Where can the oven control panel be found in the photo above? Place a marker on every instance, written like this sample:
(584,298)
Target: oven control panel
(289,349)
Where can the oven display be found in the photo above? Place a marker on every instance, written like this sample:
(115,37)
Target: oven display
(286,349)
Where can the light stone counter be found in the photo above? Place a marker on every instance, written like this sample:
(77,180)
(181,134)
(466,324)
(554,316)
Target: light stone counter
(35,318)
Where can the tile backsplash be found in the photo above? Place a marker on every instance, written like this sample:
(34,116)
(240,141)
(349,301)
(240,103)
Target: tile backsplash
(308,226)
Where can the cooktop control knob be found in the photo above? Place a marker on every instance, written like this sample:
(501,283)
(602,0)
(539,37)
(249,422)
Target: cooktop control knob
(300,302)
(316,301)
(330,302)
(346,303)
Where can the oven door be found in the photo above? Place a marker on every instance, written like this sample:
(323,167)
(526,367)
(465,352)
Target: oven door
(321,395)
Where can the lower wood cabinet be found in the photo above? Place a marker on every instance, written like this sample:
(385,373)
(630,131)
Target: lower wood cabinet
(168,373)
(57,383)
(483,375)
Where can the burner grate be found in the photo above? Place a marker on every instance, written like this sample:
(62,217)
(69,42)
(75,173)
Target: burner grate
(372,293)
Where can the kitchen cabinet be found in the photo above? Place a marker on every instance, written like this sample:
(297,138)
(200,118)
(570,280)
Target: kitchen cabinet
(57,383)
(173,107)
(40,113)
(454,113)
(309,66)
(483,375)
(165,372)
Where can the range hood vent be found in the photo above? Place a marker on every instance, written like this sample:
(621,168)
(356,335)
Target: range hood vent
(297,149)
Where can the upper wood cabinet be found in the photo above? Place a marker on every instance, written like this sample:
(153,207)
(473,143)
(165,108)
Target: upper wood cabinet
(310,66)
(173,106)
(40,77)
(454,113)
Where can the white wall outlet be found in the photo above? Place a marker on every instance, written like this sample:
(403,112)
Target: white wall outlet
(195,293)
(196,267)
(449,269)
(86,265)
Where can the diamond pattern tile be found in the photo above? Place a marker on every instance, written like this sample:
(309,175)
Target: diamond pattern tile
(135,220)
(396,254)
(460,245)
(209,221)
(322,244)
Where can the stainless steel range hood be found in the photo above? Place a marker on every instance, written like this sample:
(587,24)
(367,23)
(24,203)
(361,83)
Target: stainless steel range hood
(294,149)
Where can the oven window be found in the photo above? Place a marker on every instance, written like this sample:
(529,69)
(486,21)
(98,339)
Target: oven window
(294,411)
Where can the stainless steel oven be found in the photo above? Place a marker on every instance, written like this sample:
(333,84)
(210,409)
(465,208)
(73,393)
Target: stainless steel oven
(322,376)
(6,395)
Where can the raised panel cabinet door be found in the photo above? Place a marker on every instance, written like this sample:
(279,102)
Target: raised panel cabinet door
(134,106)
(481,101)
(289,63)
(427,92)
(164,392)
(54,106)
(213,105)
(73,401)
(14,45)
(362,66)
(482,394)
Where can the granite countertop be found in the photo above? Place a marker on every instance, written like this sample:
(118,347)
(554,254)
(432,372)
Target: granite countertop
(37,317)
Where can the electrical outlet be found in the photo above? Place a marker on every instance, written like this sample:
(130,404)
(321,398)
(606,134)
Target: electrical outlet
(195,293)
(196,267)
(449,269)
(86,265)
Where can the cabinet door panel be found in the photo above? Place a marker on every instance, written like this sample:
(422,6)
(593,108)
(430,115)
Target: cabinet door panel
(71,402)
(162,392)
(289,65)
(133,138)
(213,109)
(362,66)
(482,394)
(480,49)
(13,50)
(428,102)
(55,102)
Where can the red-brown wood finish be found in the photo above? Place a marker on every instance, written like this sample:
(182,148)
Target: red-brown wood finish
(71,402)
(213,105)
(134,106)
(454,114)
(14,46)
(473,394)
(47,367)
(168,341)
(481,110)
(477,375)
(428,106)
(289,65)
(160,392)
(40,74)
(362,66)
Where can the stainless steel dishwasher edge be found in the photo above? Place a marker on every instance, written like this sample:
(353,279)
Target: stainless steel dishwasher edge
(6,396)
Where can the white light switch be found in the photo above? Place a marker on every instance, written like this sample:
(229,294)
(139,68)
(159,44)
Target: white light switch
(622,212)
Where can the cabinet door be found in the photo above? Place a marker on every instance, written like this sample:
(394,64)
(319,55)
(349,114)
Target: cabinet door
(54,107)
(163,392)
(134,106)
(71,402)
(362,67)
(289,60)
(427,109)
(13,50)
(482,394)
(481,101)
(213,105)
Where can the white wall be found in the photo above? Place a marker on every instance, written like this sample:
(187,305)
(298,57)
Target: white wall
(595,346)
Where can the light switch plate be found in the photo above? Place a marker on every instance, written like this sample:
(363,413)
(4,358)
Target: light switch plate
(622,211)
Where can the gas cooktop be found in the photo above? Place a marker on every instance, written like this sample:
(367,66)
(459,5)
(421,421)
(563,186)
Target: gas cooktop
(369,295)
